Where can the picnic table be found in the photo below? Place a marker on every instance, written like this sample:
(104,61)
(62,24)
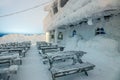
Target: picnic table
(68,62)
(6,70)
(77,54)
(8,65)
(21,51)
(11,59)
(47,49)
(3,50)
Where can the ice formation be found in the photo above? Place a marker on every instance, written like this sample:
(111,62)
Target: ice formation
(77,10)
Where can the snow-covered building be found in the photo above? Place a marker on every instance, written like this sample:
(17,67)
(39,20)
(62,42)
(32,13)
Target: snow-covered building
(84,18)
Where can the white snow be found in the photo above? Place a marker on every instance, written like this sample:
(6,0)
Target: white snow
(105,57)
(32,67)
(13,68)
(76,10)
(101,51)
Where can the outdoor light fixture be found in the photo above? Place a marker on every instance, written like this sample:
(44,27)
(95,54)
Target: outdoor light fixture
(90,22)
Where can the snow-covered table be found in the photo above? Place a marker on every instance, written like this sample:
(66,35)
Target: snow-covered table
(65,66)
(41,44)
(21,51)
(3,50)
(51,54)
(47,49)
(8,65)
(7,70)
(11,58)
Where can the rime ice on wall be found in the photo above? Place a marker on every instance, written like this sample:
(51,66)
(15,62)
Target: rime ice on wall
(89,9)
(87,32)
(81,9)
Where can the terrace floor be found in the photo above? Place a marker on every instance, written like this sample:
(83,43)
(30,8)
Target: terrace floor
(107,68)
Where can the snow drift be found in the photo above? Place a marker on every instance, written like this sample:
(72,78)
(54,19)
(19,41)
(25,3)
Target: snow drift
(101,51)
(99,43)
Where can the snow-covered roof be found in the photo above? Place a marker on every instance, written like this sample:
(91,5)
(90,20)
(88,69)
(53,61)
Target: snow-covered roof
(76,10)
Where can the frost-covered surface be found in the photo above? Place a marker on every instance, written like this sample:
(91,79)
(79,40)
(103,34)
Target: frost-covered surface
(103,52)
(76,10)
(2,57)
(13,68)
(98,43)
(105,57)
(9,70)
(32,67)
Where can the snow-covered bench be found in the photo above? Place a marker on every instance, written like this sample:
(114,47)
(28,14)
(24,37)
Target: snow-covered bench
(6,70)
(11,58)
(42,44)
(49,49)
(48,55)
(46,50)
(3,50)
(19,50)
(68,62)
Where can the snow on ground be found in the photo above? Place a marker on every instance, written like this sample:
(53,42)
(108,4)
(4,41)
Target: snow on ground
(32,67)
(101,51)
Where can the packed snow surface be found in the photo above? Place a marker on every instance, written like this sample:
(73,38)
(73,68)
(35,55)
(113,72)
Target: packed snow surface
(101,51)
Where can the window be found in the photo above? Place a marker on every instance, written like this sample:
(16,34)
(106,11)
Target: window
(52,36)
(74,33)
(107,17)
(99,31)
(60,35)
(63,2)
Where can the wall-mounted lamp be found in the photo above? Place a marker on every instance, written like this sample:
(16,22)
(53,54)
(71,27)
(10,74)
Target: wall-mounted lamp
(90,22)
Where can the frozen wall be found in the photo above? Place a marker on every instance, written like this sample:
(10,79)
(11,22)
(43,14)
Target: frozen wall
(73,14)
(81,9)
(87,32)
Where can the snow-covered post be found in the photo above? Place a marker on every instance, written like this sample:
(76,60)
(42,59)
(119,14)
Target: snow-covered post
(56,35)
(48,37)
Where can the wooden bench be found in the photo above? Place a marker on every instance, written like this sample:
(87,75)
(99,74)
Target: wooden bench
(64,66)
(6,69)
(19,50)
(11,58)
(47,50)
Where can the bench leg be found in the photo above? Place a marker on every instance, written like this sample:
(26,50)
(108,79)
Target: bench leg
(53,78)
(20,62)
(8,77)
(86,73)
